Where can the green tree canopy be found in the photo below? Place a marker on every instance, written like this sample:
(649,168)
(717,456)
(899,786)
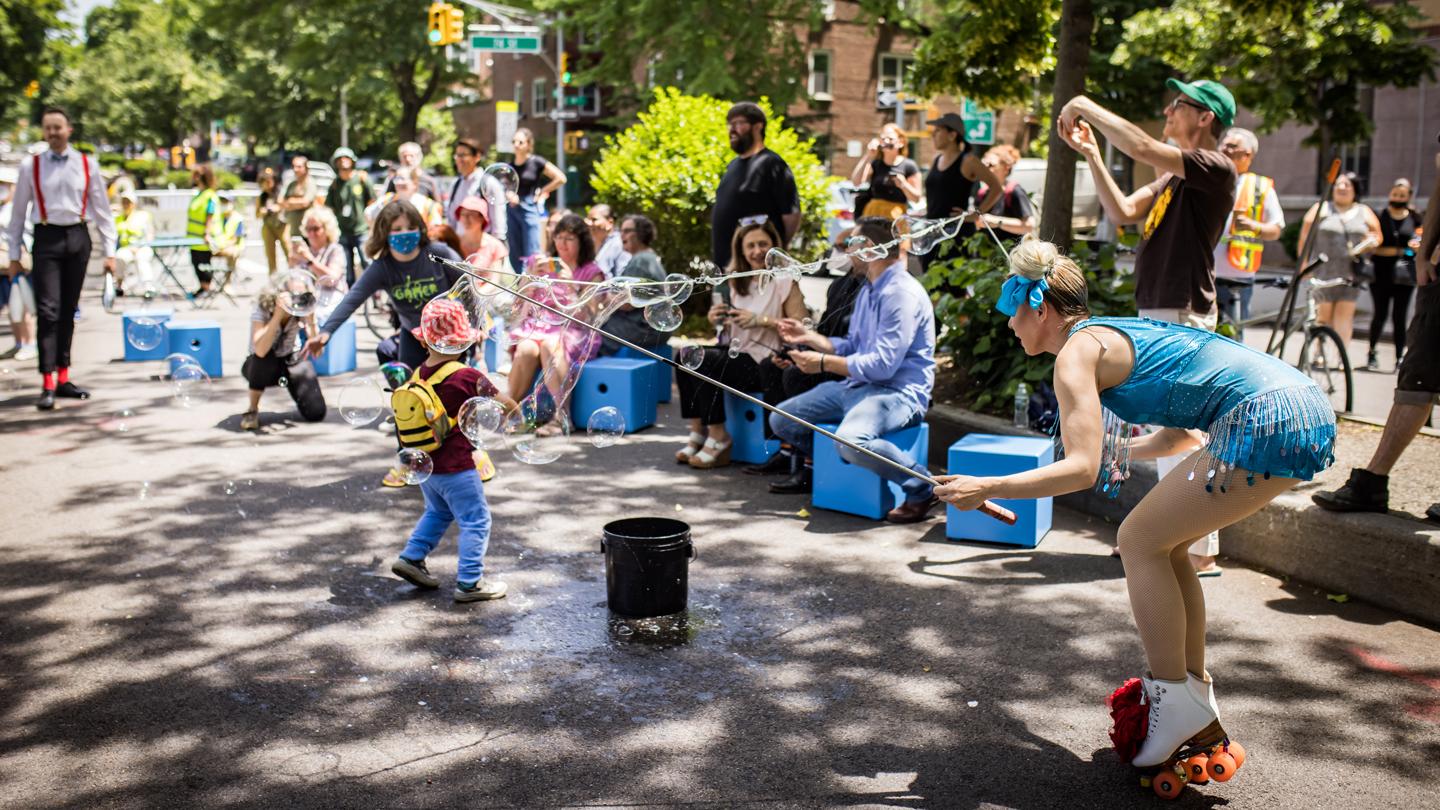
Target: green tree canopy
(27,52)
(668,165)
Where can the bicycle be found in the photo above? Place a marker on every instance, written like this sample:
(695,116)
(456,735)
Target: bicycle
(379,316)
(1323,355)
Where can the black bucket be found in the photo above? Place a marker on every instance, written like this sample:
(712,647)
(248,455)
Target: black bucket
(647,566)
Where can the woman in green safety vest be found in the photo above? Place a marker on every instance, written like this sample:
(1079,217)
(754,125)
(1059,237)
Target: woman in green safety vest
(203,223)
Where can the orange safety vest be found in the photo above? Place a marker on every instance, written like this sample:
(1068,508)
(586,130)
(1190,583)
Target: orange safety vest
(1246,246)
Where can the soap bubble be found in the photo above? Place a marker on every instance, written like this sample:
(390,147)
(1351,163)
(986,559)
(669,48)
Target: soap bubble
(295,292)
(664,316)
(480,418)
(733,351)
(924,234)
(678,287)
(448,324)
(144,333)
(504,178)
(606,426)
(839,262)
(782,263)
(190,385)
(231,488)
(414,465)
(361,401)
(536,440)
(175,360)
(9,380)
(120,422)
(690,356)
(644,292)
(396,373)
(144,490)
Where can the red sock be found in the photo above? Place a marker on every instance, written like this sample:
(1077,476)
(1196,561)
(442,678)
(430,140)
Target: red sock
(47,381)
(63,376)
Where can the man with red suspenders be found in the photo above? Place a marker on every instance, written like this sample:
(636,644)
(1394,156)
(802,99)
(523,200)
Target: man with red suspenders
(59,190)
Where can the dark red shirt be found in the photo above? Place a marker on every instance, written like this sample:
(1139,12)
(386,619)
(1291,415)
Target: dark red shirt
(454,455)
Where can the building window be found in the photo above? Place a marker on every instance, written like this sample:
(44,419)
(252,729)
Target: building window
(894,71)
(520,95)
(591,107)
(827,10)
(820,75)
(537,97)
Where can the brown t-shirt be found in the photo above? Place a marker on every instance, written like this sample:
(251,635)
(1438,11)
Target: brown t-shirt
(1175,263)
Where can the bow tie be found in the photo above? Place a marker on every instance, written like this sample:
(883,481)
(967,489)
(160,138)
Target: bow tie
(61,156)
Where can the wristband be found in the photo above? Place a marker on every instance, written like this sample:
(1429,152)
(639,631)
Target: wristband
(822,364)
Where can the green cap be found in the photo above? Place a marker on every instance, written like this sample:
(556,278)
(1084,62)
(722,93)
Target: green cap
(342,152)
(1213,95)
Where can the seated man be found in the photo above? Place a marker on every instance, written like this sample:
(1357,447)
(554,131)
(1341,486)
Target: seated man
(887,360)
(231,242)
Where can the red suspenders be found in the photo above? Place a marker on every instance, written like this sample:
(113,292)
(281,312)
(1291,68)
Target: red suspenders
(40,194)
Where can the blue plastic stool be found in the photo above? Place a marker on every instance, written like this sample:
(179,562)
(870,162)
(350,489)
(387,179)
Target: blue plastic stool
(492,354)
(746,423)
(132,354)
(200,340)
(618,382)
(339,354)
(844,487)
(663,374)
(983,454)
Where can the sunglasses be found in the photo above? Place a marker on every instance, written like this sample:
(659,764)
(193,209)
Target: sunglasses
(758,219)
(1181,101)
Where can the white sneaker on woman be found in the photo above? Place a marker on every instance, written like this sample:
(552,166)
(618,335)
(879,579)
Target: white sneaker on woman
(1177,715)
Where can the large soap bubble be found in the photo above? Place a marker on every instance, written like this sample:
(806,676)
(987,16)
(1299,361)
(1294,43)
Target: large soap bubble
(924,234)
(678,287)
(451,322)
(504,178)
(606,426)
(295,292)
(144,333)
(190,385)
(361,401)
(782,264)
(480,418)
(690,356)
(414,465)
(534,439)
(664,316)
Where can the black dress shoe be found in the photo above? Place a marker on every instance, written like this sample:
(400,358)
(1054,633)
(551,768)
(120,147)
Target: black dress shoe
(779,464)
(1364,492)
(797,484)
(912,511)
(70,390)
(47,400)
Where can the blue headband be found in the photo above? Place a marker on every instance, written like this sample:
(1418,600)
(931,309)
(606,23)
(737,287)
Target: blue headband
(1018,290)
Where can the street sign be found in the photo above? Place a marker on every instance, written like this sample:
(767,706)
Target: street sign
(979,122)
(576,101)
(507,118)
(502,43)
(563,115)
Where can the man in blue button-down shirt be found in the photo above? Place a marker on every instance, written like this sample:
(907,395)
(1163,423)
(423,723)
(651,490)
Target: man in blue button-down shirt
(888,362)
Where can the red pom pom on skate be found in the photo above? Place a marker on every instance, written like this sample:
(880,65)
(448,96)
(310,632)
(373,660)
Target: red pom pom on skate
(1127,719)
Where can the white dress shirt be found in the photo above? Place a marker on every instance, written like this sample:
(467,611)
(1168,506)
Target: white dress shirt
(63,183)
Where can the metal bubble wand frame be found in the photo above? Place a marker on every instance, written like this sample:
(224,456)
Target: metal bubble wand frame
(989,508)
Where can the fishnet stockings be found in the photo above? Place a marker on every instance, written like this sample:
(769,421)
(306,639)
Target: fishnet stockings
(1165,595)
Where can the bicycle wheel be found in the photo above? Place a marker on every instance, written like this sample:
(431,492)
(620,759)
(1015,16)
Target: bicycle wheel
(377,319)
(1324,358)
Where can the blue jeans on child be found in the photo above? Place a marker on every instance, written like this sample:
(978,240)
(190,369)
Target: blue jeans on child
(865,413)
(460,498)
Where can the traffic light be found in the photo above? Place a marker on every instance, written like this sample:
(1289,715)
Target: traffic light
(436,35)
(454,25)
(564,69)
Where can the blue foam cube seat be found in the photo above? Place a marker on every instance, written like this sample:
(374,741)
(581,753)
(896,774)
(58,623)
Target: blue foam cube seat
(200,340)
(983,454)
(746,423)
(844,487)
(158,352)
(339,354)
(618,382)
(662,373)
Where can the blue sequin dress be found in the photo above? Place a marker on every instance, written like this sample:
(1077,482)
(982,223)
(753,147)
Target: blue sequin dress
(1261,415)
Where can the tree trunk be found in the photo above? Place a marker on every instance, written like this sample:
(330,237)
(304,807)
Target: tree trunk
(412,98)
(1072,59)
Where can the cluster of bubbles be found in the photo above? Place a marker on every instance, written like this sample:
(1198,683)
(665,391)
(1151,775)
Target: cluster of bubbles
(189,384)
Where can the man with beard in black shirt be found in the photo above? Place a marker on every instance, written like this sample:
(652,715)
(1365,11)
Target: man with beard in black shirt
(757,183)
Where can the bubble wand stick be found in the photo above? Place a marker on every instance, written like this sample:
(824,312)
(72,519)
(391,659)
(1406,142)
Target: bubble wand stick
(993,510)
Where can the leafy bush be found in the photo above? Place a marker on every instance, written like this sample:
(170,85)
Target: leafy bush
(977,336)
(227,181)
(668,165)
(143,167)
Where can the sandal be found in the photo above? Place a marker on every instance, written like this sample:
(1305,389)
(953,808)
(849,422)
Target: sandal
(395,479)
(250,420)
(696,441)
(713,455)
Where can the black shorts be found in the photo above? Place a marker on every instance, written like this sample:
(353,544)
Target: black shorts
(200,261)
(300,381)
(1419,377)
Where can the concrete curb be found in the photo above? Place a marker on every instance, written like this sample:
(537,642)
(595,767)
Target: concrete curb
(1388,561)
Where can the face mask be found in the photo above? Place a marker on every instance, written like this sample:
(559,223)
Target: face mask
(405,241)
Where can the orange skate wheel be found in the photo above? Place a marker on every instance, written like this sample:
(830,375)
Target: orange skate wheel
(1237,751)
(1167,784)
(1197,767)
(1222,767)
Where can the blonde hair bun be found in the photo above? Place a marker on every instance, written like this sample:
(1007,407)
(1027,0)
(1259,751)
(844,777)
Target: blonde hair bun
(1033,258)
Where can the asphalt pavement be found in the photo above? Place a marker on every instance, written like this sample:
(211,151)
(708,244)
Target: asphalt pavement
(194,616)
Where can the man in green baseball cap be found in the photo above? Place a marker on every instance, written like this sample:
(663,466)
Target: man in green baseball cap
(348,196)
(1183,211)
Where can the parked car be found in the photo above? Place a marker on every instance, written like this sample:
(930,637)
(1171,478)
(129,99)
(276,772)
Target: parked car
(1029,173)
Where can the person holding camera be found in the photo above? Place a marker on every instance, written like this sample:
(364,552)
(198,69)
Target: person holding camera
(894,179)
(275,355)
(749,350)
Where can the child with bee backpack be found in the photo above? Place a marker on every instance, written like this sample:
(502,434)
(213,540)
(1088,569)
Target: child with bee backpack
(425,410)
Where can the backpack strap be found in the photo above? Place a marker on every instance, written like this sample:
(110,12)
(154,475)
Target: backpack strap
(445,370)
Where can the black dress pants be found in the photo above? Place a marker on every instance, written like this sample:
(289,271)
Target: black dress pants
(60,258)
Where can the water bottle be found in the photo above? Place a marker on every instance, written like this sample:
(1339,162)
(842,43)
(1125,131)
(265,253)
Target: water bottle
(1022,406)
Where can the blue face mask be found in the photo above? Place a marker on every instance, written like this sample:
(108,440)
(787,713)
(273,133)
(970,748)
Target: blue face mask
(1020,290)
(405,241)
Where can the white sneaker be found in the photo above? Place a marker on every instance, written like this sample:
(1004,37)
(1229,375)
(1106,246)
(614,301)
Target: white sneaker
(1204,691)
(27,352)
(1176,716)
